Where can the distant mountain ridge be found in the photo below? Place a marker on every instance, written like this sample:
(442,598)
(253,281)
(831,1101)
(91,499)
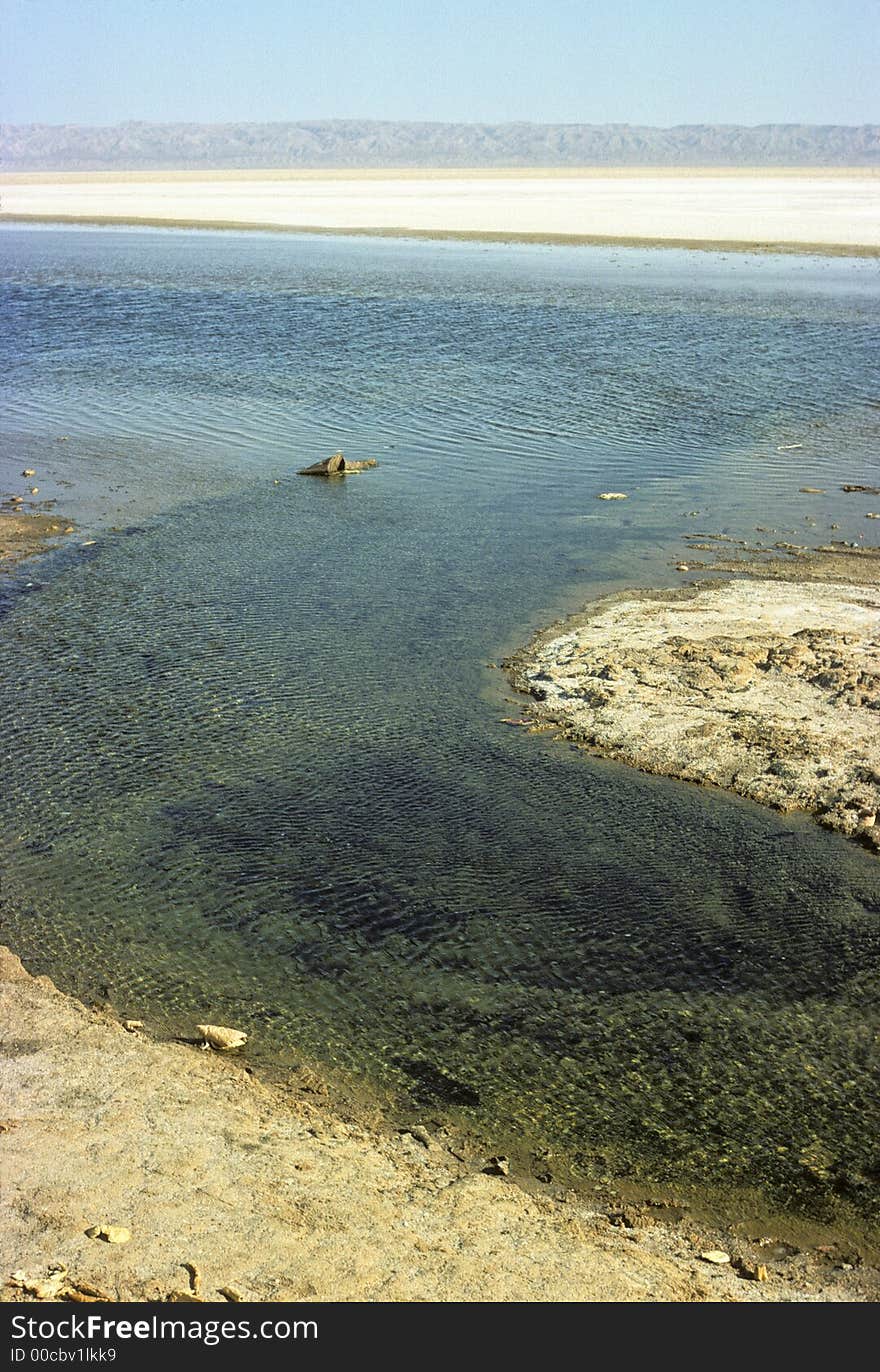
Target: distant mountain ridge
(370,143)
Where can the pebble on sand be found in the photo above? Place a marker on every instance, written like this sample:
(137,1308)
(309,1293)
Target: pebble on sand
(110,1233)
(219,1037)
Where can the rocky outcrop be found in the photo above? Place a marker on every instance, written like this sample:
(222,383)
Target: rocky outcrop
(767,688)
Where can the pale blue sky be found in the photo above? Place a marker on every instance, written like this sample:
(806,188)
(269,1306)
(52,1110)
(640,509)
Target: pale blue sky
(567,61)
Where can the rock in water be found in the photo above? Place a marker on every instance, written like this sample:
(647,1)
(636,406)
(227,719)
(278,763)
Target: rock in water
(331,466)
(613,495)
(337,466)
(218,1036)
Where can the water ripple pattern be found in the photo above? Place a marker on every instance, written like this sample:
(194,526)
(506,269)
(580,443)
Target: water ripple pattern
(253,757)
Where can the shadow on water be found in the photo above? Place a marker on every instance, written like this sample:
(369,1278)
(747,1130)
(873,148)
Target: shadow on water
(258,767)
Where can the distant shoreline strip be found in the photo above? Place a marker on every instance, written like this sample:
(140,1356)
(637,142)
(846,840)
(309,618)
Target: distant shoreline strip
(583,240)
(42,176)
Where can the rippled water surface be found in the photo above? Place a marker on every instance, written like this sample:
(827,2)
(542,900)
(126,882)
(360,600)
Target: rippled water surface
(253,760)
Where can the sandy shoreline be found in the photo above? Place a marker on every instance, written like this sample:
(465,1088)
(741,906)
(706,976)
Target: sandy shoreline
(459,236)
(160,174)
(767,686)
(234,1189)
(835,212)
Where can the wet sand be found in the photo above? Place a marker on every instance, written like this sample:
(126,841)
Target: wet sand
(23,535)
(782,210)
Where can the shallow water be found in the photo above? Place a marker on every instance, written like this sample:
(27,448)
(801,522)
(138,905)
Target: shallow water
(254,763)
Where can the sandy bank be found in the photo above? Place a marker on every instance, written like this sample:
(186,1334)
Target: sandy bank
(772,211)
(767,686)
(272,1197)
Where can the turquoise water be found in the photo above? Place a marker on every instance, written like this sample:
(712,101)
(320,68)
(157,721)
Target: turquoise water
(253,758)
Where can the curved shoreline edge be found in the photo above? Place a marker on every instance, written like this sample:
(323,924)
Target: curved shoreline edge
(236,1189)
(767,685)
(745,246)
